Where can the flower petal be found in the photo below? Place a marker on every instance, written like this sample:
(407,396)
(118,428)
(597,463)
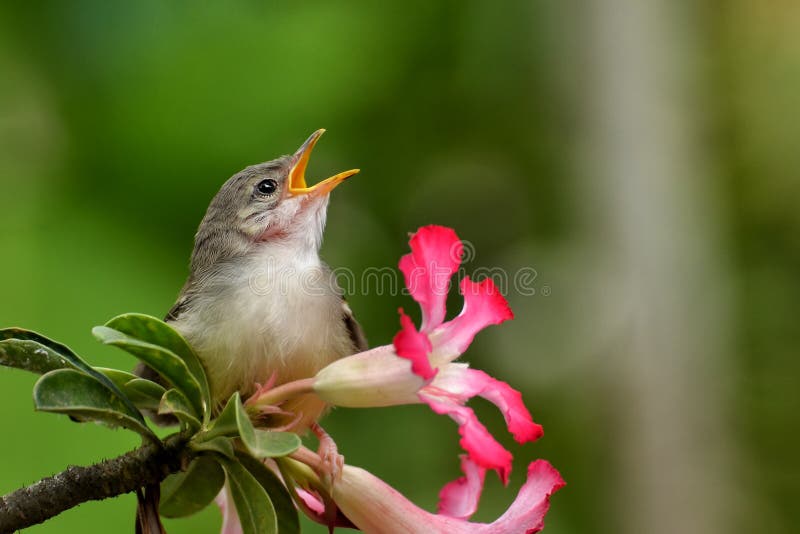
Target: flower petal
(483,306)
(509,401)
(460,497)
(313,505)
(414,346)
(377,508)
(464,383)
(435,255)
(532,502)
(482,448)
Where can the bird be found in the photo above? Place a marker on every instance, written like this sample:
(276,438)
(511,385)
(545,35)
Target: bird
(259,302)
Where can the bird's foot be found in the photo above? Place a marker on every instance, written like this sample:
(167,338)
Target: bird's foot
(332,461)
(266,413)
(262,390)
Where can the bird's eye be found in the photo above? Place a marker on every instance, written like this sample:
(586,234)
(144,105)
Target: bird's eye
(266,187)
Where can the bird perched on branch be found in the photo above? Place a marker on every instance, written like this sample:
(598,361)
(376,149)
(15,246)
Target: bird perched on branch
(258,300)
(259,303)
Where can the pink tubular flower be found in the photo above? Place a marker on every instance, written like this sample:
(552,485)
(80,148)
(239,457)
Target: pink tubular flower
(419,365)
(377,508)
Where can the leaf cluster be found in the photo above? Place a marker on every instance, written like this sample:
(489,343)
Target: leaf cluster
(225,448)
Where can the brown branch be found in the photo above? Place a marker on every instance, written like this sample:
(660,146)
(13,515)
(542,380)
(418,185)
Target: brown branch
(149,464)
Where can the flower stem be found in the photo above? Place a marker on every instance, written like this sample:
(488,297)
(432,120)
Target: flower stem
(277,395)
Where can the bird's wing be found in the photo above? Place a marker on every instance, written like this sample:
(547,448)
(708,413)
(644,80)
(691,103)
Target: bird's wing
(176,310)
(354,329)
(185,298)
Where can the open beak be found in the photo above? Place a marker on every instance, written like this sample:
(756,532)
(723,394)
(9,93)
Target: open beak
(297,178)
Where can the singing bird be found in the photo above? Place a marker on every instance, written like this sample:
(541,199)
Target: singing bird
(259,300)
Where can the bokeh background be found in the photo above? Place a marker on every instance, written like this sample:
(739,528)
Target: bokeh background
(642,157)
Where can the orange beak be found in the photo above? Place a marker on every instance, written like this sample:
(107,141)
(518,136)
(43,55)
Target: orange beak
(297,178)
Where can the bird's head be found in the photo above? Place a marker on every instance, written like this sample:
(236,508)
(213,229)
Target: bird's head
(267,203)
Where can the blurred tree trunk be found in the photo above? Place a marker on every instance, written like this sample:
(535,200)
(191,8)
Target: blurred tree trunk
(650,210)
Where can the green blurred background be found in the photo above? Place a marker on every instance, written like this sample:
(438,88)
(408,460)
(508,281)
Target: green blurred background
(640,156)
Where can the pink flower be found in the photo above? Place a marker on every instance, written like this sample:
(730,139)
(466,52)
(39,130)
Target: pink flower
(425,370)
(375,507)
(420,367)
(365,502)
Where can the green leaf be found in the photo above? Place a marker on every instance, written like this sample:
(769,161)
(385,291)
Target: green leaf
(260,443)
(71,392)
(145,394)
(269,444)
(46,356)
(157,332)
(256,512)
(28,335)
(219,445)
(234,421)
(246,430)
(188,492)
(226,424)
(120,378)
(31,356)
(288,521)
(174,402)
(165,362)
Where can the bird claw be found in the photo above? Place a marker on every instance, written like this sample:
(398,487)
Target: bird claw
(332,461)
(262,390)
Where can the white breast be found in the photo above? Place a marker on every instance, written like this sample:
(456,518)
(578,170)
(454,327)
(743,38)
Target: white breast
(276,312)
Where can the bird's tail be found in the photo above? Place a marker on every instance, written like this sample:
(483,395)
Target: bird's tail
(147,519)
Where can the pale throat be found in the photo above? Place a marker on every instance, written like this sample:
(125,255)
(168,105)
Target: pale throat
(300,226)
